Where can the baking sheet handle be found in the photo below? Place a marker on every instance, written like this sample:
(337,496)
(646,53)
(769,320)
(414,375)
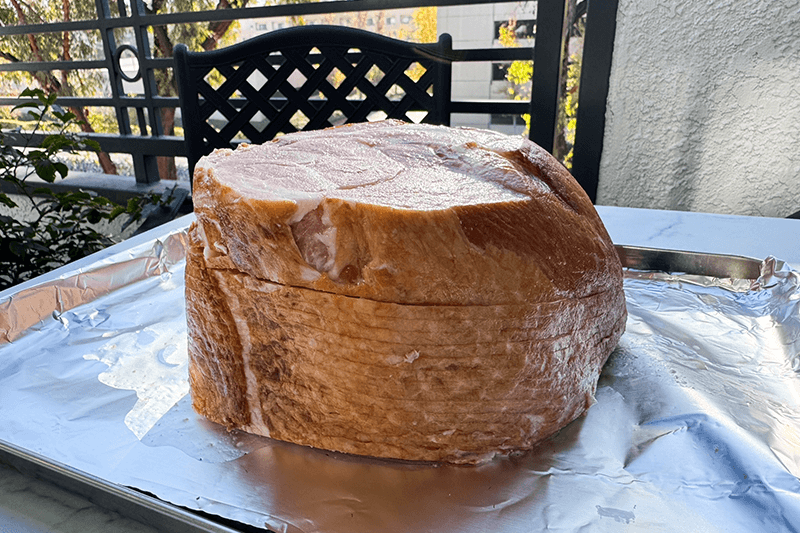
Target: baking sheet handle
(123,500)
(694,263)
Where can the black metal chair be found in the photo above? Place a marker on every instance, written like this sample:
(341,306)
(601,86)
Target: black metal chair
(306,78)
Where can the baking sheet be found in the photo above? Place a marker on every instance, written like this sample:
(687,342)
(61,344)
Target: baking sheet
(696,425)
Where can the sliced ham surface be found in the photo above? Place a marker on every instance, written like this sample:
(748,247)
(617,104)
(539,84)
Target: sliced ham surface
(404,213)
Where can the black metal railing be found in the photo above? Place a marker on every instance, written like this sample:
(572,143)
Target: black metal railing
(141,132)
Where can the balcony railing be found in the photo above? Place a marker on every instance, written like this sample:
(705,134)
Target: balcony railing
(142,133)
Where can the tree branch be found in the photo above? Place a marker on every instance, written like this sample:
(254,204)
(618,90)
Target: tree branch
(65,38)
(9,57)
(23,19)
(219,28)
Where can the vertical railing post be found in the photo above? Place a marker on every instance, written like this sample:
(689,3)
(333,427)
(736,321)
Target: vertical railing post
(109,47)
(443,93)
(598,49)
(547,61)
(561,146)
(145,166)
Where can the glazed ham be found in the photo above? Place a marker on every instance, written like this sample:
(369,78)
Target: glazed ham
(396,290)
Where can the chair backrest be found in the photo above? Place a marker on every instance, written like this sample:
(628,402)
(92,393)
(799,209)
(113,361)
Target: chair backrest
(306,78)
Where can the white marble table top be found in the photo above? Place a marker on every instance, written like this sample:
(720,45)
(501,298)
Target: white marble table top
(29,505)
(755,237)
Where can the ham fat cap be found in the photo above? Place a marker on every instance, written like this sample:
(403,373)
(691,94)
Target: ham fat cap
(407,291)
(404,213)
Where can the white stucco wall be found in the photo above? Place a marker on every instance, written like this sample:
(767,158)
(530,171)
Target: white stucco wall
(704,107)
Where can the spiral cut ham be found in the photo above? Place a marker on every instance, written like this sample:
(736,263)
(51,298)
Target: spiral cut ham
(396,290)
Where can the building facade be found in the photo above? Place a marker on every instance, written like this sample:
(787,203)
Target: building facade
(478,26)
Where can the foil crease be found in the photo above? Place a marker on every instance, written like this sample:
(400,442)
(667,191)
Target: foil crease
(21,310)
(696,425)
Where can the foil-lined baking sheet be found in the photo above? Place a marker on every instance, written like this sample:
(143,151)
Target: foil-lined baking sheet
(696,425)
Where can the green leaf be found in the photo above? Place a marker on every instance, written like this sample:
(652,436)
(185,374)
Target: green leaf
(45,170)
(36,155)
(24,105)
(61,168)
(64,226)
(117,211)
(5,200)
(64,117)
(90,144)
(17,248)
(79,196)
(94,216)
(53,142)
(134,204)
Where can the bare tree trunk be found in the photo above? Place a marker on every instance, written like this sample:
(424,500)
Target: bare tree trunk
(103,159)
(380,21)
(167,169)
(106,164)
(162,47)
(219,28)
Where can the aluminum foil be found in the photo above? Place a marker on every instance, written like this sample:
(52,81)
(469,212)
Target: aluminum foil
(696,425)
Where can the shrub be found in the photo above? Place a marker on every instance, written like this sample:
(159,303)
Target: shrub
(47,229)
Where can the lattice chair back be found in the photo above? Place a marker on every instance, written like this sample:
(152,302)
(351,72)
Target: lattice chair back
(306,78)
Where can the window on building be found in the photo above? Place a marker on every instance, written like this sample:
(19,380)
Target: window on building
(502,120)
(405,19)
(370,21)
(499,71)
(525,29)
(507,120)
(391,20)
